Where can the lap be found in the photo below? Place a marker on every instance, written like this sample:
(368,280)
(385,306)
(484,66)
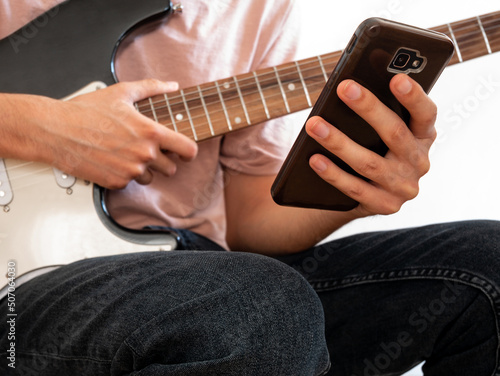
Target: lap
(393,299)
(144,311)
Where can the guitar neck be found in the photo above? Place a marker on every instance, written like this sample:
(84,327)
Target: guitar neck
(216,108)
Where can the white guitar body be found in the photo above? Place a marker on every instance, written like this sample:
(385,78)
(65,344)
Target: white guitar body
(46,217)
(50,218)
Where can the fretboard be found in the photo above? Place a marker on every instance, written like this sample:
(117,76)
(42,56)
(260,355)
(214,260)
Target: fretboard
(216,108)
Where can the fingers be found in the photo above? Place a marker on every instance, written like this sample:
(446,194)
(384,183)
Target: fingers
(125,145)
(422,109)
(137,90)
(158,139)
(362,160)
(373,199)
(393,178)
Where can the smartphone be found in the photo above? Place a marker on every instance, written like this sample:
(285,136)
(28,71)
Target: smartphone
(378,50)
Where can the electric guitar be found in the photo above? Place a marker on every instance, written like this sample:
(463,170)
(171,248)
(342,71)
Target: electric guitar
(48,217)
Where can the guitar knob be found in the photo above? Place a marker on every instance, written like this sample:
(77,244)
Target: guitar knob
(177,8)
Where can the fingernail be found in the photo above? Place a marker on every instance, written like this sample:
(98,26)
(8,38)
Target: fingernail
(320,129)
(403,85)
(172,85)
(352,90)
(318,164)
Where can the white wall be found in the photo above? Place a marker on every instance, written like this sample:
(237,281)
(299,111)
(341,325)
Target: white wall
(464,181)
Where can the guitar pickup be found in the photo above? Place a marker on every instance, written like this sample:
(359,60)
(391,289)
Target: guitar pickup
(6,194)
(64,180)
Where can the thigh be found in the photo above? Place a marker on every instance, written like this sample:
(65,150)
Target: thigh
(393,299)
(176,313)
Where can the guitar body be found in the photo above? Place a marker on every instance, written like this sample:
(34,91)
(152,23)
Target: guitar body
(47,217)
(77,39)
(47,225)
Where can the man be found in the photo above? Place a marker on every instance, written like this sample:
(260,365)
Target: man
(386,301)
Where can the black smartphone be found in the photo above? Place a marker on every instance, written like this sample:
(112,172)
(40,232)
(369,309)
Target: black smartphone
(378,50)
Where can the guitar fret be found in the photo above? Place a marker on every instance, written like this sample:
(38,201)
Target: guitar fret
(262,96)
(189,115)
(486,41)
(214,108)
(282,91)
(457,48)
(491,24)
(170,113)
(303,84)
(323,68)
(206,111)
(153,111)
(242,101)
(223,106)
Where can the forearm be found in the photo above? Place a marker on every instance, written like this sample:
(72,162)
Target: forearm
(19,137)
(99,136)
(261,226)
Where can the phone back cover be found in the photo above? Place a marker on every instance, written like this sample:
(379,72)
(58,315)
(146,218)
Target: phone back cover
(373,47)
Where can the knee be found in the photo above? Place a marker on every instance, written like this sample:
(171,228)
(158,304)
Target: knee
(469,243)
(284,321)
(240,313)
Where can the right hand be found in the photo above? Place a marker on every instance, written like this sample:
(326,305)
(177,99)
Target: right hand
(102,138)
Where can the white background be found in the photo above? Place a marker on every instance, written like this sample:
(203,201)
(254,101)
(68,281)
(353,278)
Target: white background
(464,181)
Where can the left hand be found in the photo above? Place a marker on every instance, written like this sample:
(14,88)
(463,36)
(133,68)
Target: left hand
(394,177)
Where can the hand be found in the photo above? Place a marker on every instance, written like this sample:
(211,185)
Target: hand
(393,177)
(101,137)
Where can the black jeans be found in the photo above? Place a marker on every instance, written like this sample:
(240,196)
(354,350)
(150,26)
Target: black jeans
(395,299)
(387,301)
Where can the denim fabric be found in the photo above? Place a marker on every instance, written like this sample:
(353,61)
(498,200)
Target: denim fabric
(390,300)
(168,313)
(395,299)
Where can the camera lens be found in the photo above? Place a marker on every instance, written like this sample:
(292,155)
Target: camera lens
(401,60)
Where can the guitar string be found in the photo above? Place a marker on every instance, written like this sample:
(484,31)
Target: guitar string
(43,168)
(232,90)
(185,129)
(459,26)
(272,78)
(488,26)
(201,125)
(469,24)
(146,105)
(201,121)
(228,103)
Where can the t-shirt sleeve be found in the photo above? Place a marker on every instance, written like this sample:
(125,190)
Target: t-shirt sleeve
(260,149)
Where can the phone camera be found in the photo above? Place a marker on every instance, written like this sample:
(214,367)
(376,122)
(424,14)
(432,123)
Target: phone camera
(401,60)
(407,60)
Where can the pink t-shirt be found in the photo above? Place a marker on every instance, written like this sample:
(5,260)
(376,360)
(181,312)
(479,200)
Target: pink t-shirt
(210,40)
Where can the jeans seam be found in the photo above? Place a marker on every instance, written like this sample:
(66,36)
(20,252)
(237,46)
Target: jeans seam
(62,357)
(326,369)
(460,276)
